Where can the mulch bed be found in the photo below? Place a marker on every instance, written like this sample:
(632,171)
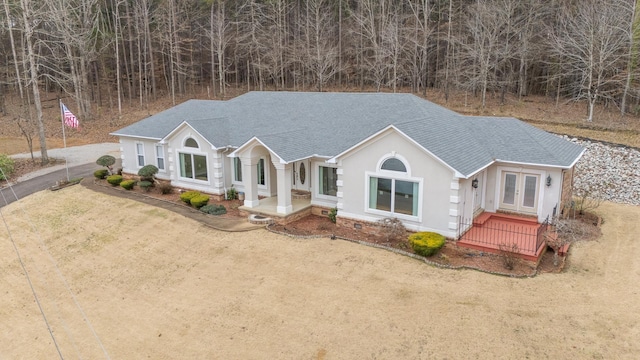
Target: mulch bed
(450,255)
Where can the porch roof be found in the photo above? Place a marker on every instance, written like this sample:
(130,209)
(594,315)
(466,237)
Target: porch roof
(298,125)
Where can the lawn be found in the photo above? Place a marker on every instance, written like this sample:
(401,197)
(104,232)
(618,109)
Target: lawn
(156,285)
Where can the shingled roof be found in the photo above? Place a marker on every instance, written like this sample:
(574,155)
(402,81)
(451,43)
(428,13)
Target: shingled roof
(298,125)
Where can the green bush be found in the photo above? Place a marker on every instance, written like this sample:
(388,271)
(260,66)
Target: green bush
(165,188)
(114,180)
(214,209)
(332,215)
(128,184)
(101,174)
(186,196)
(232,193)
(6,164)
(147,172)
(199,201)
(106,161)
(426,243)
(146,185)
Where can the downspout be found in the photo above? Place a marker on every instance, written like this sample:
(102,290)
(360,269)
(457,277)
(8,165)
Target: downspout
(224,173)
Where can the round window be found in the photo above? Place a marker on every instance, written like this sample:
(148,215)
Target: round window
(303,173)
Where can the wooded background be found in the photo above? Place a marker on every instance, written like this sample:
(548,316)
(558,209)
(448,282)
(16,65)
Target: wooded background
(106,52)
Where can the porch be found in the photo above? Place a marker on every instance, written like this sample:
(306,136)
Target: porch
(496,232)
(268,207)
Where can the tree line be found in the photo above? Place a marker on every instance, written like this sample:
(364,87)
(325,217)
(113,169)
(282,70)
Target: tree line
(107,52)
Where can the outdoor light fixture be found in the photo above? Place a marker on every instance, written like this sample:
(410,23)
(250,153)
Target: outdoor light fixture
(548,180)
(474,183)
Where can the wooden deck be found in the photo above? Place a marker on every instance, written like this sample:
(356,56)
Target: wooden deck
(495,232)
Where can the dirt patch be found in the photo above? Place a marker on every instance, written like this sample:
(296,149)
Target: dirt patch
(24,166)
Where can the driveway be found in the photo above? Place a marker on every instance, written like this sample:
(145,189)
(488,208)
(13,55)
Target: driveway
(80,161)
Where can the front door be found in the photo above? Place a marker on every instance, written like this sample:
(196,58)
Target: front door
(519,192)
(301,175)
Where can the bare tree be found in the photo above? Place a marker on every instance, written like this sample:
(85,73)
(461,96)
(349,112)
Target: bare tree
(592,41)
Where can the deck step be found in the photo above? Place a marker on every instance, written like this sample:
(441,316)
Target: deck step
(482,218)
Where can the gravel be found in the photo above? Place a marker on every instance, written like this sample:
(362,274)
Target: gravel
(608,172)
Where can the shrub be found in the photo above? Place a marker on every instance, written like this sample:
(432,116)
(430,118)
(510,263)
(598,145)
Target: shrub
(106,161)
(128,184)
(509,255)
(332,215)
(146,185)
(147,172)
(6,164)
(214,209)
(165,188)
(426,243)
(199,201)
(232,193)
(186,196)
(392,229)
(101,174)
(114,180)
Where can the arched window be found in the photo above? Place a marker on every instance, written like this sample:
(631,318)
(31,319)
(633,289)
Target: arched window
(394,164)
(192,143)
(193,166)
(392,190)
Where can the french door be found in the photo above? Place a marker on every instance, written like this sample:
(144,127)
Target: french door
(519,192)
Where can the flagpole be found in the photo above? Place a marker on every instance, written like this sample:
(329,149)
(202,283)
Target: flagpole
(64,137)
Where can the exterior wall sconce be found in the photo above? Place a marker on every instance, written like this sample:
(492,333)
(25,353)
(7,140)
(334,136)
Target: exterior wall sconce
(548,180)
(474,183)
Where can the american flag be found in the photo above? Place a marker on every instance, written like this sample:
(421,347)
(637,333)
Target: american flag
(69,119)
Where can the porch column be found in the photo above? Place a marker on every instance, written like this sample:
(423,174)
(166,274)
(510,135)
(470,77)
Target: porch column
(284,188)
(250,181)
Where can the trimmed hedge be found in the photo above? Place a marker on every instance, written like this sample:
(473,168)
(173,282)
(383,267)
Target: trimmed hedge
(146,185)
(165,188)
(128,184)
(114,180)
(6,164)
(148,172)
(199,201)
(214,209)
(101,174)
(187,196)
(426,243)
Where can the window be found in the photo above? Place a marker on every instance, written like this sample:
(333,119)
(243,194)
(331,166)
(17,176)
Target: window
(261,179)
(394,195)
(193,166)
(160,156)
(328,178)
(394,164)
(140,154)
(192,143)
(392,190)
(237,169)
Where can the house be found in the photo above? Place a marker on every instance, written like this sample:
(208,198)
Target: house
(370,155)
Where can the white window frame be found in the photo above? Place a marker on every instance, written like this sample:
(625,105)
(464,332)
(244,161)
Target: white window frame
(393,175)
(160,156)
(140,155)
(319,195)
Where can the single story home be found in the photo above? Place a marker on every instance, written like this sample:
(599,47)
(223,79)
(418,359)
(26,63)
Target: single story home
(370,155)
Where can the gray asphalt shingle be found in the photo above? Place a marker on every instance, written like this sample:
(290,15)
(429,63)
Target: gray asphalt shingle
(296,125)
